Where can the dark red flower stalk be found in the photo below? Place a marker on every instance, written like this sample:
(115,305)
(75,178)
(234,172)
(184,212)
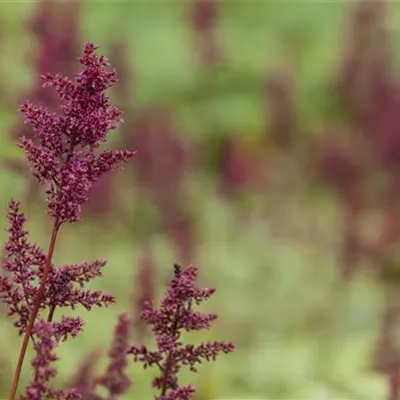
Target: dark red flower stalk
(65,162)
(55,27)
(373,148)
(387,354)
(351,164)
(162,167)
(161,161)
(203,18)
(83,381)
(281,111)
(361,48)
(367,85)
(68,37)
(102,197)
(180,228)
(243,168)
(41,25)
(115,380)
(341,166)
(144,290)
(48,335)
(370,93)
(234,174)
(176,315)
(394,383)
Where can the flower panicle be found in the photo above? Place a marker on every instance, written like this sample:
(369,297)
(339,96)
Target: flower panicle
(63,158)
(174,316)
(48,335)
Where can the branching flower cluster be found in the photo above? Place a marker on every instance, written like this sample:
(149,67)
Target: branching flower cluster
(66,161)
(48,335)
(24,263)
(114,380)
(176,315)
(64,158)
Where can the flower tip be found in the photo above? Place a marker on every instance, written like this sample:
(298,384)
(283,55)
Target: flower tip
(90,48)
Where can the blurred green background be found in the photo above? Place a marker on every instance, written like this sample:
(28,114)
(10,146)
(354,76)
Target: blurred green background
(226,103)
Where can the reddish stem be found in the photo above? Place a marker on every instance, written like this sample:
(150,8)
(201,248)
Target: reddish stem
(39,298)
(394,384)
(170,358)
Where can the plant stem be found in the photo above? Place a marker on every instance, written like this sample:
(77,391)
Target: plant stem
(170,357)
(39,297)
(51,313)
(394,384)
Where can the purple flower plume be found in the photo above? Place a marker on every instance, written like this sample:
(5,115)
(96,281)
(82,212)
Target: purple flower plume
(48,335)
(115,379)
(63,158)
(175,315)
(24,263)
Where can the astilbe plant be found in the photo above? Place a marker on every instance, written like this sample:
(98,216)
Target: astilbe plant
(362,166)
(203,19)
(65,162)
(47,337)
(279,99)
(143,290)
(175,316)
(114,380)
(243,167)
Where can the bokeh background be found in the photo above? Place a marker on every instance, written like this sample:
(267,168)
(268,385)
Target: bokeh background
(268,139)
